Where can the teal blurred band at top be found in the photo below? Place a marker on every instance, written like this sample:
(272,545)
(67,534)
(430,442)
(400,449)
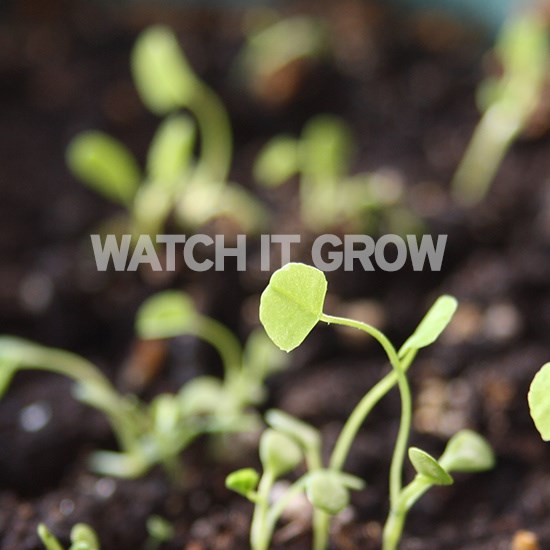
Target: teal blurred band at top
(489,14)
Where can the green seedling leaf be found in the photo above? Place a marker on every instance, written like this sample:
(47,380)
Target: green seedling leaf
(307,436)
(427,466)
(279,453)
(467,451)
(326,147)
(292,304)
(165,412)
(160,529)
(277,162)
(166,314)
(83,537)
(523,50)
(171,150)
(162,75)
(433,324)
(115,464)
(288,40)
(105,165)
(326,492)
(7,372)
(48,539)
(202,395)
(243,481)
(539,401)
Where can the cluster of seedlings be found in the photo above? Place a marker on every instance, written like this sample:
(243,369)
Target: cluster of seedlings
(290,307)
(186,182)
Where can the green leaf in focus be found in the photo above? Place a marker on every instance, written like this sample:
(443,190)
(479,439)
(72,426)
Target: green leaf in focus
(162,75)
(326,492)
(243,481)
(171,149)
(467,451)
(433,324)
(166,314)
(292,304)
(427,466)
(277,162)
(539,401)
(279,453)
(105,165)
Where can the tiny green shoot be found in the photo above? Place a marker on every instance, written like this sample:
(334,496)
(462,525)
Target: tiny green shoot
(83,537)
(195,190)
(507,102)
(276,47)
(160,530)
(329,195)
(290,307)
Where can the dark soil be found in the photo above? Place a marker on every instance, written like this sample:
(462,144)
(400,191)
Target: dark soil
(408,92)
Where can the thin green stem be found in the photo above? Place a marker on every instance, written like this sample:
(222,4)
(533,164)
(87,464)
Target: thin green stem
(369,329)
(492,138)
(398,458)
(393,528)
(279,507)
(101,394)
(260,534)
(223,341)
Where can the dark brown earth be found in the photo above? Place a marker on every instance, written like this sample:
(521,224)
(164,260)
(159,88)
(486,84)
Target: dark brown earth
(408,94)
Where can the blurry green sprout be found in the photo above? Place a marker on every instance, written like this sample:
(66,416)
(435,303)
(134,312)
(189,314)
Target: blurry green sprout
(175,182)
(83,537)
(539,401)
(273,47)
(156,433)
(321,158)
(507,102)
(160,530)
(290,307)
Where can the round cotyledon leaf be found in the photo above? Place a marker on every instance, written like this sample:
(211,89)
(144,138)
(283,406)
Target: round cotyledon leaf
(539,401)
(292,304)
(427,466)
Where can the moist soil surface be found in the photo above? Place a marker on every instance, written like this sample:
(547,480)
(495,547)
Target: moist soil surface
(408,94)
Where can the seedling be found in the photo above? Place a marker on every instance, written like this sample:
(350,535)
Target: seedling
(160,531)
(539,401)
(156,433)
(195,190)
(83,537)
(284,446)
(290,307)
(329,195)
(507,103)
(276,53)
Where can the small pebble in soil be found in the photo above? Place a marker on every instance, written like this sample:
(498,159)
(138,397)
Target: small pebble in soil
(36,292)
(36,416)
(105,487)
(525,540)
(66,507)
(502,322)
